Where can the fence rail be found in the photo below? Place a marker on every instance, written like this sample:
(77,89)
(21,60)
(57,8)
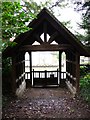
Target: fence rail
(42,74)
(45,74)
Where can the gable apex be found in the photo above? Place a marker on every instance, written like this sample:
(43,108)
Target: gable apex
(39,15)
(45,14)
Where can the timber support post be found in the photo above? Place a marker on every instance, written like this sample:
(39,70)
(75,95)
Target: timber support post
(77,73)
(60,53)
(30,59)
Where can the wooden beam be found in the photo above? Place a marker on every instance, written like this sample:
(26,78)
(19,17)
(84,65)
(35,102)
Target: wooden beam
(52,38)
(45,47)
(45,31)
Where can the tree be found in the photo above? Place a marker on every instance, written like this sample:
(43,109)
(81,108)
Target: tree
(85,25)
(86,22)
(13,19)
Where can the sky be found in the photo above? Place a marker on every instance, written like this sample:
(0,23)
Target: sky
(68,14)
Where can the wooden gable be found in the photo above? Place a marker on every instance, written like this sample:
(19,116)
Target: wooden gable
(46,23)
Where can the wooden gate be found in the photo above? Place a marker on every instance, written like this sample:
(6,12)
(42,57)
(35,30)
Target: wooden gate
(45,78)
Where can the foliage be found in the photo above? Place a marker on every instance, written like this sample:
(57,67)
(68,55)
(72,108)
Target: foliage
(85,87)
(80,36)
(31,7)
(83,71)
(85,81)
(6,44)
(13,19)
(86,22)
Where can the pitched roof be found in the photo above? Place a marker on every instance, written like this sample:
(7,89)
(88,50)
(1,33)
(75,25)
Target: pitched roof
(53,25)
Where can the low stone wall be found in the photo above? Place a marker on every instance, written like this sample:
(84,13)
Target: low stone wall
(21,89)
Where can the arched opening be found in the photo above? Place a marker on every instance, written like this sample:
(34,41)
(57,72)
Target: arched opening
(27,65)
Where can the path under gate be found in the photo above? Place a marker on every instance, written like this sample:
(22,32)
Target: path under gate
(45,103)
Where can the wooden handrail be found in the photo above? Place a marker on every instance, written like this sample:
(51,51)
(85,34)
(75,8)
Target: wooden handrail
(73,78)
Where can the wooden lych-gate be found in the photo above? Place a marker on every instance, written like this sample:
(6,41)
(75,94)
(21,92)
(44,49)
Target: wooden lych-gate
(46,24)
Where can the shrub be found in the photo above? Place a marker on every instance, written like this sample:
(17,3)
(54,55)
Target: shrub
(83,70)
(85,87)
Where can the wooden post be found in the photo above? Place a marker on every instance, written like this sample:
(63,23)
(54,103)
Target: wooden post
(39,74)
(30,59)
(33,74)
(67,66)
(13,75)
(23,65)
(77,72)
(60,53)
(57,73)
(73,70)
(45,73)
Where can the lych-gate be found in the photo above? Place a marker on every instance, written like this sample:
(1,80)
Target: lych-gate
(65,41)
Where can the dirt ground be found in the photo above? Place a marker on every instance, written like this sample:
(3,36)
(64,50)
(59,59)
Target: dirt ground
(47,103)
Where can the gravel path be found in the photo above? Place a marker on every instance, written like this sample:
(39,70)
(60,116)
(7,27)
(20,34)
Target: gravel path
(47,103)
